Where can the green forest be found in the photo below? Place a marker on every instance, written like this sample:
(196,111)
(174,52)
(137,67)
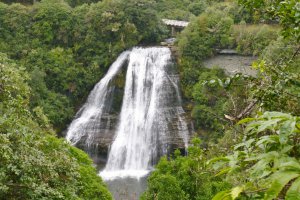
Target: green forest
(246,141)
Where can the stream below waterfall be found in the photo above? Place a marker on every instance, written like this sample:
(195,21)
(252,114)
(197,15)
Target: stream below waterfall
(150,123)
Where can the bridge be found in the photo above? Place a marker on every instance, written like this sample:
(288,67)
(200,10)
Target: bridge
(175,25)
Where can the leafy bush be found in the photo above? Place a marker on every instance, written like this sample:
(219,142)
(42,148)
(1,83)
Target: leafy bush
(285,12)
(180,10)
(210,101)
(197,42)
(278,84)
(253,39)
(34,163)
(206,32)
(15,23)
(52,23)
(197,7)
(266,161)
(216,95)
(183,177)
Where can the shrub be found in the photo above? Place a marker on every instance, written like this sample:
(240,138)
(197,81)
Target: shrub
(183,177)
(253,39)
(34,163)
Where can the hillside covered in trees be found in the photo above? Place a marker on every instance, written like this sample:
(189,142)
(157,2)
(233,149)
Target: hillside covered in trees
(246,129)
(249,147)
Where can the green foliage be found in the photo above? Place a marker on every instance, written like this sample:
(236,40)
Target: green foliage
(184,177)
(66,50)
(205,33)
(75,3)
(159,188)
(210,99)
(34,163)
(15,22)
(25,2)
(139,12)
(286,11)
(268,158)
(215,95)
(90,184)
(14,93)
(72,3)
(278,85)
(180,10)
(265,164)
(253,39)
(57,82)
(197,7)
(52,23)
(208,31)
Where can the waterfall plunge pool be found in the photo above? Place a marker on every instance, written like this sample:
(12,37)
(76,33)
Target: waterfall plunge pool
(127,188)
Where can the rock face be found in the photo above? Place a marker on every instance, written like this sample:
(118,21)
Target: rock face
(103,128)
(97,124)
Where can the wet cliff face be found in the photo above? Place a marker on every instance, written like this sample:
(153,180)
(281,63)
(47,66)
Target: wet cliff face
(95,125)
(104,127)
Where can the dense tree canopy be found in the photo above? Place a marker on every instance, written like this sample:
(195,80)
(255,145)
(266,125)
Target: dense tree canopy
(34,163)
(66,50)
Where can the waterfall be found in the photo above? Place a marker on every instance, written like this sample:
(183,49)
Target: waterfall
(148,107)
(151,119)
(88,117)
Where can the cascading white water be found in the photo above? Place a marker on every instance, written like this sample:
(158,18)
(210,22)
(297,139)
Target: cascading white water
(89,115)
(151,118)
(147,111)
